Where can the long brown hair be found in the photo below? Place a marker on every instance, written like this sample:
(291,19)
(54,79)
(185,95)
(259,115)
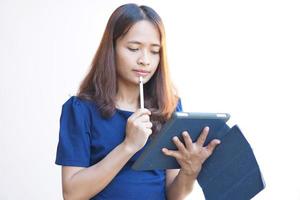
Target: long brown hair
(100,84)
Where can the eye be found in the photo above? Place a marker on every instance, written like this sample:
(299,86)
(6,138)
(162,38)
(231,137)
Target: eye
(133,49)
(155,52)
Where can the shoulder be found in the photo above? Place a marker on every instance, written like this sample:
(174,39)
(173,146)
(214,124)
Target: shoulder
(76,106)
(74,100)
(79,103)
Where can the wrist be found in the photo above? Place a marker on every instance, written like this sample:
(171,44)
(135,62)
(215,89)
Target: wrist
(189,175)
(128,148)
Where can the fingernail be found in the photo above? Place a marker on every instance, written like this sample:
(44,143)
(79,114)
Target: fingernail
(218,142)
(206,128)
(175,138)
(184,133)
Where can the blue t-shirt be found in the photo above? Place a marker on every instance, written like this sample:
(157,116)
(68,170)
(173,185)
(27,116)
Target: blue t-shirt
(85,138)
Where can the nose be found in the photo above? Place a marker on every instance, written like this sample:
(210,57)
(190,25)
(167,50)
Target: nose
(144,59)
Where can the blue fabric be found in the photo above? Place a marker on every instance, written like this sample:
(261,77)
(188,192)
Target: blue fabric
(85,138)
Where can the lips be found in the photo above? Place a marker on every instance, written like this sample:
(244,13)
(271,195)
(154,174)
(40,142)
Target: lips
(141,72)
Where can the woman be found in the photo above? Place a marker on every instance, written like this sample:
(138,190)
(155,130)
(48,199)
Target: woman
(103,130)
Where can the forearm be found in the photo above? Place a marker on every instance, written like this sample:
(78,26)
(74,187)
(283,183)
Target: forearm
(87,182)
(181,186)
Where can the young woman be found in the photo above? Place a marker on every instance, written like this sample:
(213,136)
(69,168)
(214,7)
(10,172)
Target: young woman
(102,129)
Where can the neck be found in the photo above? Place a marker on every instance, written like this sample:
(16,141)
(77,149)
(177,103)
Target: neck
(127,96)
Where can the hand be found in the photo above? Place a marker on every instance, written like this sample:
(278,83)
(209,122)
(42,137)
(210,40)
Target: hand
(138,129)
(191,156)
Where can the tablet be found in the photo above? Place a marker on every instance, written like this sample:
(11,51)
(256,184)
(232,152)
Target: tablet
(194,122)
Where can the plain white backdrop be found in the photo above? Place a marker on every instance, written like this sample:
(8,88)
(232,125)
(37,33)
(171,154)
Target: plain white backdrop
(230,56)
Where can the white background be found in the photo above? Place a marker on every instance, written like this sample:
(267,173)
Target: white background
(230,56)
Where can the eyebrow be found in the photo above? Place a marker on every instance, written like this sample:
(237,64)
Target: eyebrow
(137,42)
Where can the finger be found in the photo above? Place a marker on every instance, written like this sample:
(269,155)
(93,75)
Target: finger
(187,140)
(148,125)
(201,139)
(140,112)
(212,145)
(148,131)
(180,146)
(171,153)
(144,118)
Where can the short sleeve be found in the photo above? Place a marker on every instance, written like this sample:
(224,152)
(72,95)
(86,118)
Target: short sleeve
(73,147)
(179,106)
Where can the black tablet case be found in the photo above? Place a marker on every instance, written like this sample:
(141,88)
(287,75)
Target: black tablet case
(231,173)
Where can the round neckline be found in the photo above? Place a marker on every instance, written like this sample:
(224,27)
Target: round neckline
(127,111)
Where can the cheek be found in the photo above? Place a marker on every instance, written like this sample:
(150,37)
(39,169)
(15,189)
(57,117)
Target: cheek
(127,59)
(155,60)
(124,59)
(154,67)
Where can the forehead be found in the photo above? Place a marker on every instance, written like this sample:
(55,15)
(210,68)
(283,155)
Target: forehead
(143,32)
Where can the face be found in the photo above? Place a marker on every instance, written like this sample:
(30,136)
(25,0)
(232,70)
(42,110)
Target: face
(137,53)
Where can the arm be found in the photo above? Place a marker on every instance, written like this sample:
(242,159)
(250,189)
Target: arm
(190,157)
(84,183)
(180,184)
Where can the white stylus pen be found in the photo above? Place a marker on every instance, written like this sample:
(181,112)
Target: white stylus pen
(141,93)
